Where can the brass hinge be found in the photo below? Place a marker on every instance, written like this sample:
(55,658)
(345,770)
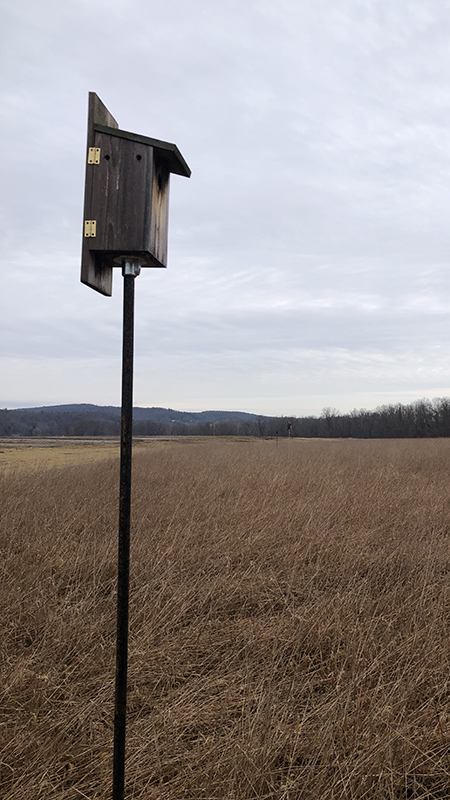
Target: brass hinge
(94,155)
(90,227)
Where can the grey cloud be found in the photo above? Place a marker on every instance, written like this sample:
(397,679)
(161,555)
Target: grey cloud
(316,217)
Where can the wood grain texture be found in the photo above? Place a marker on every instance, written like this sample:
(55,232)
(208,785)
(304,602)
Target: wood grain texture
(159,228)
(129,200)
(94,272)
(127,194)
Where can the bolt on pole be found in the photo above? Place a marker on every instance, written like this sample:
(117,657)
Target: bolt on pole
(130,269)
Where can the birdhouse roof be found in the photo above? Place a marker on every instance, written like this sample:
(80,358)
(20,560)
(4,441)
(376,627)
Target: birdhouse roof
(169,151)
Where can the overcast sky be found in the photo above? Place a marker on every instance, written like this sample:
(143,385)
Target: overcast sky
(309,253)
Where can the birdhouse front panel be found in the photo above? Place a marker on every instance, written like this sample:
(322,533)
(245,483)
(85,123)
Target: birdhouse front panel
(127,198)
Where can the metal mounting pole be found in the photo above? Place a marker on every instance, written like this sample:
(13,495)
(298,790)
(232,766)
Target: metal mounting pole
(130,269)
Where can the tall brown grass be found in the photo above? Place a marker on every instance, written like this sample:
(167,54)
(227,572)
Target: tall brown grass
(289,624)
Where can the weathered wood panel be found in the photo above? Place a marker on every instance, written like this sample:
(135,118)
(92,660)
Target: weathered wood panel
(93,272)
(121,194)
(159,229)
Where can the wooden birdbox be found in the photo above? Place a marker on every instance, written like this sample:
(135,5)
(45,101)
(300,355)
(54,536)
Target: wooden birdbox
(126,205)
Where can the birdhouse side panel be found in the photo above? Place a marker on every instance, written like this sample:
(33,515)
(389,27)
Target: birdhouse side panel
(159,228)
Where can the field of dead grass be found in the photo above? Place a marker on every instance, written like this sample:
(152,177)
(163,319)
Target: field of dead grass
(289,624)
(38,454)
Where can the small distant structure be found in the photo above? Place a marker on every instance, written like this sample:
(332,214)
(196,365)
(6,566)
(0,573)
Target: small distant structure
(289,429)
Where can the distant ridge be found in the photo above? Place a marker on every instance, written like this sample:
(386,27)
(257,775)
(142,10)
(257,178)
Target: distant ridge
(140,414)
(87,419)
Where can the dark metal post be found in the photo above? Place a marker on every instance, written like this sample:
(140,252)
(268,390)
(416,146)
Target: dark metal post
(130,269)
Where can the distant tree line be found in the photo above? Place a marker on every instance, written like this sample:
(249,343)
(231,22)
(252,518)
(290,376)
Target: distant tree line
(423,418)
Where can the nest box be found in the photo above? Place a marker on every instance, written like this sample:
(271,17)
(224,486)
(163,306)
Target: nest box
(126,204)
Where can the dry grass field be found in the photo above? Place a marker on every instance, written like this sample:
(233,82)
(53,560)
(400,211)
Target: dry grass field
(39,454)
(289,624)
